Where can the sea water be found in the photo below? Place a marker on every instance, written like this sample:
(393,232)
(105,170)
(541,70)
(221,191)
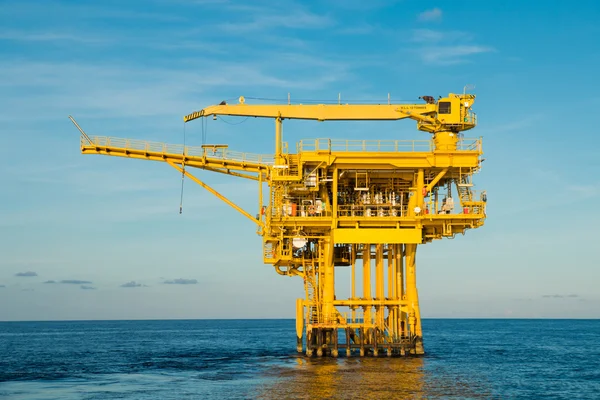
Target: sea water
(257,359)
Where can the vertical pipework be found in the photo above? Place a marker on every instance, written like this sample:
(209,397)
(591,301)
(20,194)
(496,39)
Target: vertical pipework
(391,294)
(353,269)
(334,193)
(367,280)
(379,284)
(328,280)
(299,323)
(412,295)
(420,184)
(399,282)
(260,196)
(278,140)
(353,278)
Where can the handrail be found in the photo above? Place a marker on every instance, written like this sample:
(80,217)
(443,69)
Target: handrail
(317,145)
(343,145)
(188,151)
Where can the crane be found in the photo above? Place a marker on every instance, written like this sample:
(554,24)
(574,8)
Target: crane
(335,206)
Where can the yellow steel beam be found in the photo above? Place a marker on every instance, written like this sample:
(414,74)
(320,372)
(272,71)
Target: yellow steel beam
(228,172)
(200,161)
(299,319)
(217,194)
(278,140)
(327,283)
(366,253)
(411,289)
(150,151)
(318,112)
(400,273)
(394,161)
(369,302)
(375,235)
(379,282)
(435,180)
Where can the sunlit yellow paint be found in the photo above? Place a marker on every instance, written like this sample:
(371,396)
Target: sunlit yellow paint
(333,202)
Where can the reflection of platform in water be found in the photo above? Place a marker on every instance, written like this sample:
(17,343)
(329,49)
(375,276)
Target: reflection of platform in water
(335,206)
(395,378)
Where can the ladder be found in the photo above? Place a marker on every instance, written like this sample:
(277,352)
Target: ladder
(293,165)
(464,192)
(311,292)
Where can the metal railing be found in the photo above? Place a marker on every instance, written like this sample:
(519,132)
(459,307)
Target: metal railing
(327,145)
(474,206)
(221,153)
(372,210)
(469,144)
(300,210)
(342,145)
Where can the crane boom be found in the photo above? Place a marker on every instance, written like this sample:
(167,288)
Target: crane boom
(318,112)
(451,114)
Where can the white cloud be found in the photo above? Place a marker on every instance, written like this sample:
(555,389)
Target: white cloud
(297,19)
(584,191)
(445,47)
(60,88)
(434,36)
(361,4)
(514,125)
(21,9)
(448,55)
(131,284)
(181,281)
(434,14)
(357,29)
(29,36)
(74,281)
(27,273)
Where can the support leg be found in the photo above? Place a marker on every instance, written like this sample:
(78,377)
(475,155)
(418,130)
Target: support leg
(309,342)
(362,342)
(299,324)
(414,318)
(366,249)
(348,344)
(319,342)
(379,287)
(334,339)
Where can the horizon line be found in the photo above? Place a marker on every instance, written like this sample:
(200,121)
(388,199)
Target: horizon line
(291,319)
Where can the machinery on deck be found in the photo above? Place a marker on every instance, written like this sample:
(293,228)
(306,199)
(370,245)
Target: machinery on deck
(336,205)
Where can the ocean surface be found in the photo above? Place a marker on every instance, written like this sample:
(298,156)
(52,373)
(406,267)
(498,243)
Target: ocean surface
(257,359)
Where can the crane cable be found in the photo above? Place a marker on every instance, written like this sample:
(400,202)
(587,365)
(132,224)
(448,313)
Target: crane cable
(204,124)
(182,172)
(204,132)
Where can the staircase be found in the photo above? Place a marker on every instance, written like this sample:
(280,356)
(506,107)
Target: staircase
(466,196)
(293,165)
(311,292)
(268,251)
(289,170)
(464,191)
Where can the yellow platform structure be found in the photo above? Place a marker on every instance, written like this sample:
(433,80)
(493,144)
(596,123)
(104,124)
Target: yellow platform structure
(362,205)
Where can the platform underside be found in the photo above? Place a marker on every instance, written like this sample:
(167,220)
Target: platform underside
(357,342)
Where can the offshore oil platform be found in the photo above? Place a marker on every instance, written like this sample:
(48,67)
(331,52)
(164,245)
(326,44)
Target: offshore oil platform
(363,205)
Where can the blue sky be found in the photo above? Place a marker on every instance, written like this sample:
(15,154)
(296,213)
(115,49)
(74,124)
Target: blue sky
(132,69)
